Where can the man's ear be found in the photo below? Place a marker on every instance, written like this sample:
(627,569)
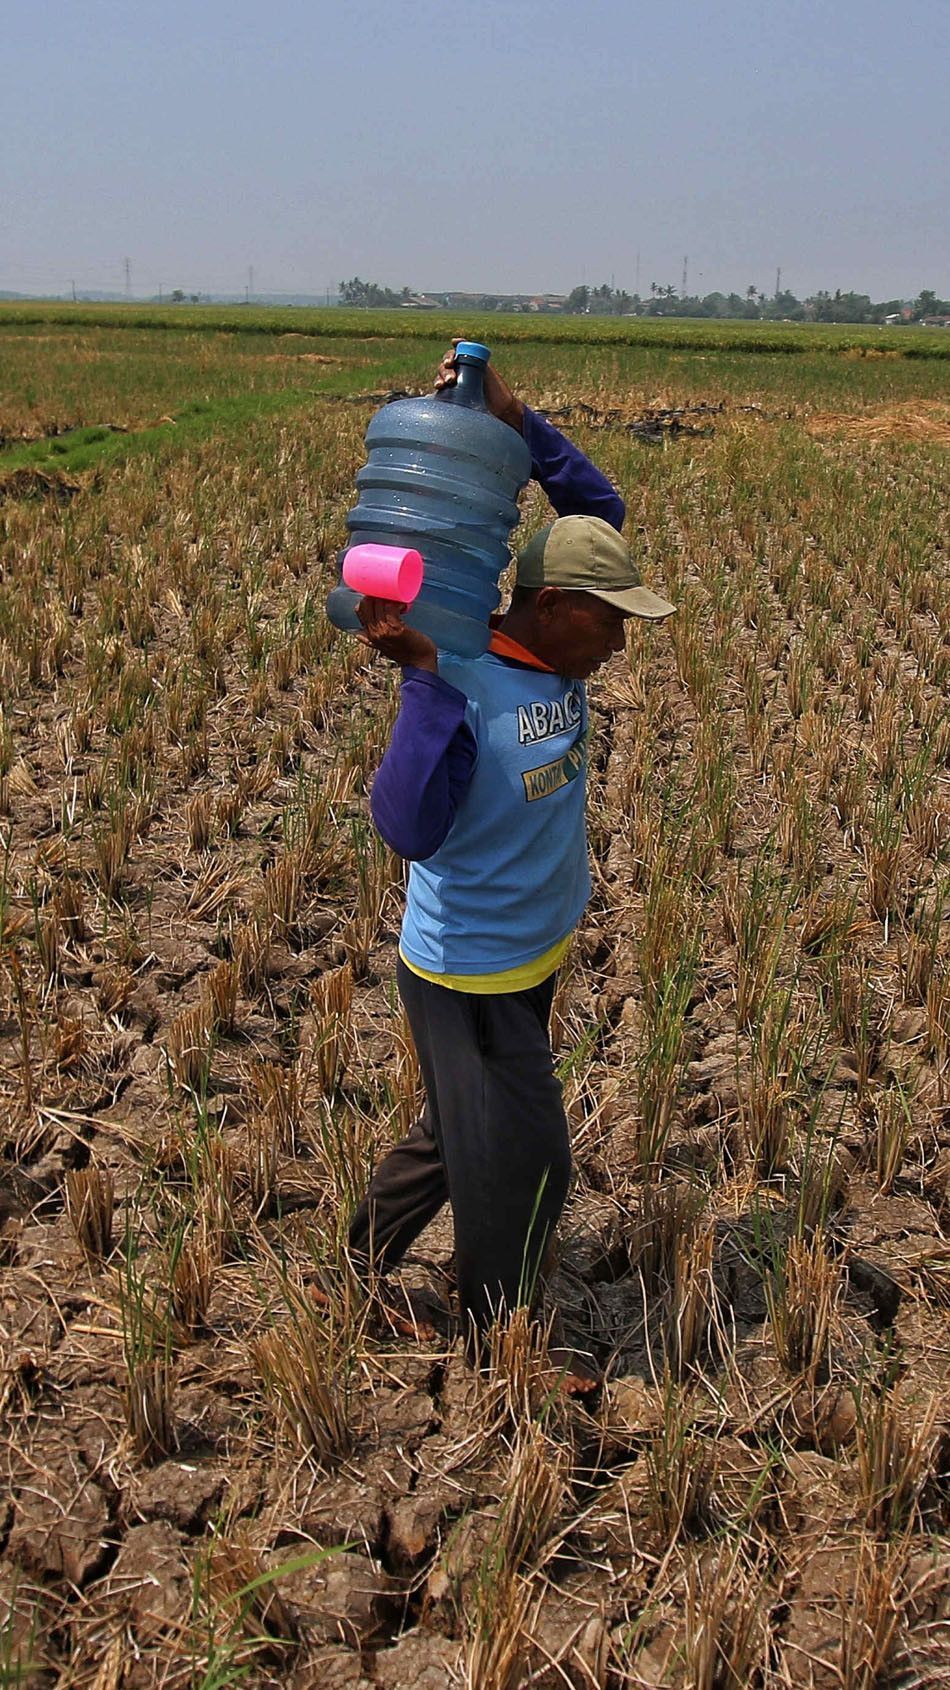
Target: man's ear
(548,602)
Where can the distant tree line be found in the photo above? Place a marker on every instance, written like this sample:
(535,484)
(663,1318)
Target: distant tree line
(662,300)
(821,307)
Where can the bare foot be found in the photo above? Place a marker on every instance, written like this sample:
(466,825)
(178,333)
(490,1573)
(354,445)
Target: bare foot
(414,1314)
(578,1373)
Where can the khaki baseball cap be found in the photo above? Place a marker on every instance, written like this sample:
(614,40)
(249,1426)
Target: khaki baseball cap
(586,554)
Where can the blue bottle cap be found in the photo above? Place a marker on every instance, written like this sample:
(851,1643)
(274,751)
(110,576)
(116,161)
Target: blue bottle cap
(474,350)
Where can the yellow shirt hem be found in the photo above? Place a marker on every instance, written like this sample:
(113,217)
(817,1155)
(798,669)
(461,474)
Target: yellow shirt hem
(508,980)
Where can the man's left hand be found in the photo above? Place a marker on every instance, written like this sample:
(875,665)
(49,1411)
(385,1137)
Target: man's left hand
(387,633)
(498,395)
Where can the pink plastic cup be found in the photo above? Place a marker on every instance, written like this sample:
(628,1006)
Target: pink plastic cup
(383,572)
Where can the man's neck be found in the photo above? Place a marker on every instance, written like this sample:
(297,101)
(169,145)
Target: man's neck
(505,643)
(524,629)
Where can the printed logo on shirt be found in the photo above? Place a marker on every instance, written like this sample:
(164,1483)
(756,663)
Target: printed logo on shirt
(540,783)
(542,719)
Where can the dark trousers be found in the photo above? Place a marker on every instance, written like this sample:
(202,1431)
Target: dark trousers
(492,1139)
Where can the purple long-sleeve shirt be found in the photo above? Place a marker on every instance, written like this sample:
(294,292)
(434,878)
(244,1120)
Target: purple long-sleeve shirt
(574,485)
(431,755)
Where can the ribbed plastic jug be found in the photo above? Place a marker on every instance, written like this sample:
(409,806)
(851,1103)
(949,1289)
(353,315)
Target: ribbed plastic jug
(442,476)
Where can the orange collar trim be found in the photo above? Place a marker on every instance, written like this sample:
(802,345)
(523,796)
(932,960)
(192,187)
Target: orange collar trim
(504,646)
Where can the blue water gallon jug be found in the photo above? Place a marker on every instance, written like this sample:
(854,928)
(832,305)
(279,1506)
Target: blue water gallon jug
(442,476)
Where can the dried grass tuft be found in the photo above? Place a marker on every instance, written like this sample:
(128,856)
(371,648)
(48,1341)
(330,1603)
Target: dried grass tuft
(90,1203)
(726,1635)
(897,1452)
(305,1365)
(802,1297)
(147,1399)
(873,1616)
(331,1005)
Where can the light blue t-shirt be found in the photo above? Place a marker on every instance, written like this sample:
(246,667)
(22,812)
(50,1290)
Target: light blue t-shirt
(512,876)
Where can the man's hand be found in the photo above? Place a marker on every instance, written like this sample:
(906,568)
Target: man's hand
(498,395)
(386,632)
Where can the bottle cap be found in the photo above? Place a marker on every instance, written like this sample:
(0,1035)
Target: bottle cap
(473,350)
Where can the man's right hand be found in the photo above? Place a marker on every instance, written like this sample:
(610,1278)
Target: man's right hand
(498,395)
(386,632)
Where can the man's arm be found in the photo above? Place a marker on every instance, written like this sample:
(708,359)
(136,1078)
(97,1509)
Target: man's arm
(429,762)
(574,485)
(427,768)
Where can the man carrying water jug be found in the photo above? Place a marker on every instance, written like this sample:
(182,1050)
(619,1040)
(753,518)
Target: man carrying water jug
(482,789)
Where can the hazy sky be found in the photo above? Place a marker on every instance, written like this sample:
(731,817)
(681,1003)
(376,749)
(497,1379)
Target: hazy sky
(512,146)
